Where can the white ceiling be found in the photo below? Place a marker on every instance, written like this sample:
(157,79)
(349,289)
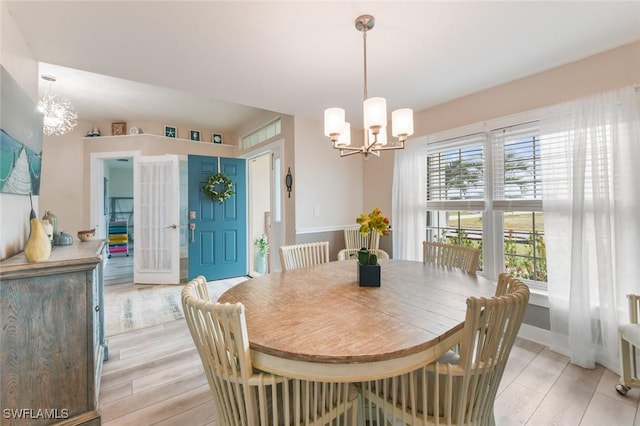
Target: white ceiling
(216,64)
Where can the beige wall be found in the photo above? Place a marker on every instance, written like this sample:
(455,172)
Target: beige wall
(328,188)
(16,57)
(609,70)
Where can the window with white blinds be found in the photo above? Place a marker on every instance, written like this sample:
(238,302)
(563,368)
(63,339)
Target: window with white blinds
(499,173)
(456,191)
(517,177)
(455,173)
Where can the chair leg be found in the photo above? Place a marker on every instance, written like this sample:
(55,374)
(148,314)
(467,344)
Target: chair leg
(625,362)
(355,405)
(622,389)
(625,367)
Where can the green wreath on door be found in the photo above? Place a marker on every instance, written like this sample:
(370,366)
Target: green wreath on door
(218,188)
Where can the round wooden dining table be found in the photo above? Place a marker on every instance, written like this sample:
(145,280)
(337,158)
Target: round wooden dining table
(316,323)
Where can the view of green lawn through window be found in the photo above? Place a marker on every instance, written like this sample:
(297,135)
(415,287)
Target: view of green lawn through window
(524,245)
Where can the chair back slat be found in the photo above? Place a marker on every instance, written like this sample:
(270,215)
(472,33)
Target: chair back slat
(634,307)
(506,284)
(461,257)
(353,239)
(346,254)
(304,255)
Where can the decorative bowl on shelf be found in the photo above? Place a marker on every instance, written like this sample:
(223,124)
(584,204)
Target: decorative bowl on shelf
(86,235)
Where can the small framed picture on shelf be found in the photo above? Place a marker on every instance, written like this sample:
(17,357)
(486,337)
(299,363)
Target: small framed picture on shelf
(216,138)
(119,128)
(170,131)
(194,135)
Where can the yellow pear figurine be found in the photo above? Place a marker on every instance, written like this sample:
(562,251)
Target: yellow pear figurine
(38,246)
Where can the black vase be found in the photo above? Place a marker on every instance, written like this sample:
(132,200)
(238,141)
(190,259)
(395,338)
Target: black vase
(369,275)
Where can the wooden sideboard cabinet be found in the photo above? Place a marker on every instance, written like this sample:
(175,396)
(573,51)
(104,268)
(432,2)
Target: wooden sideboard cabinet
(52,341)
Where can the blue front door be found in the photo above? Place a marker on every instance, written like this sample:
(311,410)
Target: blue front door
(218,240)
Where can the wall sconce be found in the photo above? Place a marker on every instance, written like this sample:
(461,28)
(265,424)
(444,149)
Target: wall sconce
(289,181)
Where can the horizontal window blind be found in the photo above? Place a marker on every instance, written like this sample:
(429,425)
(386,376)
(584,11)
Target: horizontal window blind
(517,168)
(455,173)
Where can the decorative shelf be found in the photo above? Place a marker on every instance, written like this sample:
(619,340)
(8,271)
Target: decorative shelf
(181,140)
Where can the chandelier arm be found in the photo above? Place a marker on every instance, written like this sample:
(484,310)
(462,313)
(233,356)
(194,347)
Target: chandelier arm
(349,148)
(388,148)
(351,152)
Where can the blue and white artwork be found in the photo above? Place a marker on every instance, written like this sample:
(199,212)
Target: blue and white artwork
(19,167)
(20,139)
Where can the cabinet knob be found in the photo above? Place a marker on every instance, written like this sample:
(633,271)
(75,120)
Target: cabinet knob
(97,308)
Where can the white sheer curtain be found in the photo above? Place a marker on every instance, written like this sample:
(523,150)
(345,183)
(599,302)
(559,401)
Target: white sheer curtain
(591,177)
(409,208)
(155,213)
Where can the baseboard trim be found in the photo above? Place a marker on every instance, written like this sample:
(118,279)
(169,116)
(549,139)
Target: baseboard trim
(535,334)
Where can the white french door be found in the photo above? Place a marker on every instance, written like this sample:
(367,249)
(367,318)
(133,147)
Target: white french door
(156,195)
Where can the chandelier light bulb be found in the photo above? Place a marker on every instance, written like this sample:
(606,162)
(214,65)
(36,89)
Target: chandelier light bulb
(379,138)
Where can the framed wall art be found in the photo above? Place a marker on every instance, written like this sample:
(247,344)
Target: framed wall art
(170,131)
(119,128)
(194,135)
(216,138)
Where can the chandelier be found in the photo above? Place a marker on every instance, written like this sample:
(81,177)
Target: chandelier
(375,116)
(59,115)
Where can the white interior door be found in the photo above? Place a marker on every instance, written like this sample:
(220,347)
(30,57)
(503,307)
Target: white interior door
(156,242)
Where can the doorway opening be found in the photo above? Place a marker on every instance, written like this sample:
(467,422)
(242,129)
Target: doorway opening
(112,211)
(264,213)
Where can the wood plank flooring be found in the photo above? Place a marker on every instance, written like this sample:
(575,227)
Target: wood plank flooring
(154,377)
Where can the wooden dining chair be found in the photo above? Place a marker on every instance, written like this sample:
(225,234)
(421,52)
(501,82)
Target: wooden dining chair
(629,340)
(506,284)
(244,396)
(353,239)
(304,255)
(346,254)
(456,389)
(461,257)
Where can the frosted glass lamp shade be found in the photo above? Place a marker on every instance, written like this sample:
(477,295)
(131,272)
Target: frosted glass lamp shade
(375,113)
(380,138)
(333,122)
(345,137)
(402,122)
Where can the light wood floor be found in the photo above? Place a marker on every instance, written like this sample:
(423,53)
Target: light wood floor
(154,377)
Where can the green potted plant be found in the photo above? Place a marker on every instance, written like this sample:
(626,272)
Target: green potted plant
(368,267)
(262,246)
